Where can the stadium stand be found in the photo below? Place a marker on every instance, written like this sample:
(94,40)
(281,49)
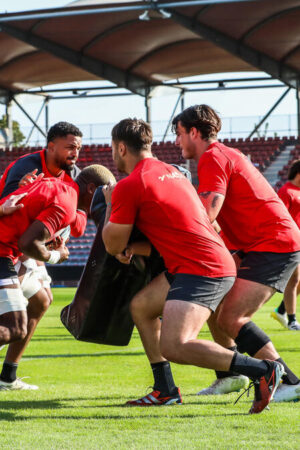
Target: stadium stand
(261,151)
(294,155)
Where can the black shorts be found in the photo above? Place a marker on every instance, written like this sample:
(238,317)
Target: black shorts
(204,291)
(7,269)
(268,268)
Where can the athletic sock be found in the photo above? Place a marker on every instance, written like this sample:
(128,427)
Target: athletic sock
(221,374)
(292,318)
(281,308)
(290,377)
(251,367)
(9,372)
(163,378)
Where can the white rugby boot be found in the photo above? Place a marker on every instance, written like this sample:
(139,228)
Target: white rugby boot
(17,385)
(294,326)
(281,318)
(226,385)
(287,393)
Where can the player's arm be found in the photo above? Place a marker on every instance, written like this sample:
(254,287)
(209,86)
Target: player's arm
(213,202)
(115,237)
(33,244)
(142,248)
(79,225)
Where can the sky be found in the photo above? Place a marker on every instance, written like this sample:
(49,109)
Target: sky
(238,105)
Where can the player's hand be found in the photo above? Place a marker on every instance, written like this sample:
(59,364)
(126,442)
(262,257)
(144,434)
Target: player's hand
(126,256)
(55,243)
(64,253)
(30,177)
(10,205)
(107,191)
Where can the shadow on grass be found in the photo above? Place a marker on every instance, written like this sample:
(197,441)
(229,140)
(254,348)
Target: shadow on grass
(84,355)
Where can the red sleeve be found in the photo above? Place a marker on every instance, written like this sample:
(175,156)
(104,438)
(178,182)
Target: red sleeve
(125,202)
(59,214)
(283,194)
(79,225)
(213,173)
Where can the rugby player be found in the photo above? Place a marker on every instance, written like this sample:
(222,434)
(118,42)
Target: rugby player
(254,219)
(57,160)
(290,195)
(49,206)
(165,207)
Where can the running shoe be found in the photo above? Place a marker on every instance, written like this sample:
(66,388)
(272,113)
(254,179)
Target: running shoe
(266,386)
(294,326)
(156,398)
(287,393)
(281,318)
(226,385)
(17,385)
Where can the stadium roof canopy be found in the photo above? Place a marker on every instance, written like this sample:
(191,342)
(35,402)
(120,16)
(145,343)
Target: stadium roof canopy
(108,40)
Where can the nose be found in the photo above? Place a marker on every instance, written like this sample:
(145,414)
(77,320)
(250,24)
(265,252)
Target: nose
(177,140)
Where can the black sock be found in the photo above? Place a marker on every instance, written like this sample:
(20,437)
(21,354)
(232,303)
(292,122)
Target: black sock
(290,377)
(281,308)
(251,367)
(221,374)
(9,372)
(163,378)
(292,318)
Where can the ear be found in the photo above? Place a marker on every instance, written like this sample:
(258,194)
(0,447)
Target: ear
(194,133)
(50,146)
(122,149)
(90,188)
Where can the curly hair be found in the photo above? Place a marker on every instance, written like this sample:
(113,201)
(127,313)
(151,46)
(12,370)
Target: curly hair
(201,117)
(62,129)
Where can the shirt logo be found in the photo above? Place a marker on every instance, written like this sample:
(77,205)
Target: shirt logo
(173,175)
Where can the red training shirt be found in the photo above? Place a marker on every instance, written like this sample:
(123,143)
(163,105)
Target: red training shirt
(39,162)
(51,201)
(252,217)
(290,195)
(165,207)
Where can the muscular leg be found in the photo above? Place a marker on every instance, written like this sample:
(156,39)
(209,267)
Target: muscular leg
(290,293)
(180,344)
(239,305)
(13,326)
(37,306)
(145,308)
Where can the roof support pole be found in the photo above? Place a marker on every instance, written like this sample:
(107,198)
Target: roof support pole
(37,118)
(298,108)
(148,108)
(182,103)
(172,115)
(29,117)
(47,114)
(269,112)
(10,135)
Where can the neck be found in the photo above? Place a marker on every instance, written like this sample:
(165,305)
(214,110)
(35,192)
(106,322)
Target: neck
(295,182)
(51,166)
(202,147)
(134,160)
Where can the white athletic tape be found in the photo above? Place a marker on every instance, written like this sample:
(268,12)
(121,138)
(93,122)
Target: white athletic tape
(54,257)
(12,300)
(30,284)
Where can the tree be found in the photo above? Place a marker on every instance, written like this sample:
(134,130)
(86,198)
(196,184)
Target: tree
(18,136)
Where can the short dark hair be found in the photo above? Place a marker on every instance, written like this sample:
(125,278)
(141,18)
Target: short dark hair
(135,133)
(202,117)
(62,129)
(294,169)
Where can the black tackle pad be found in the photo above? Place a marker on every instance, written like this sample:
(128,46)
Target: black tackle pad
(100,310)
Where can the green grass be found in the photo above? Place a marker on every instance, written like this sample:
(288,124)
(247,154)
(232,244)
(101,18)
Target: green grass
(83,388)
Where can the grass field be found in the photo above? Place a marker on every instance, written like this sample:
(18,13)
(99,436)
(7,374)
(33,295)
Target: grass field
(83,388)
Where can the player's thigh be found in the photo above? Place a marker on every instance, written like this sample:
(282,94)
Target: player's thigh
(295,278)
(244,299)
(151,299)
